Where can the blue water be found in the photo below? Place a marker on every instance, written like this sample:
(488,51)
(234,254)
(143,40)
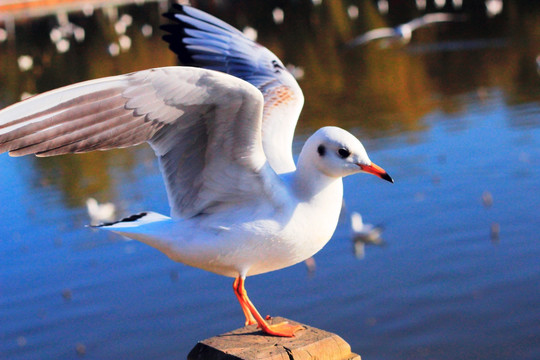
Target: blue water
(443,286)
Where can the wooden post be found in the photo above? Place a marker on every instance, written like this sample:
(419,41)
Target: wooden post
(250,343)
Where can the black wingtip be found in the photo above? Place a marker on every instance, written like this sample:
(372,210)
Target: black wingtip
(175,33)
(130,218)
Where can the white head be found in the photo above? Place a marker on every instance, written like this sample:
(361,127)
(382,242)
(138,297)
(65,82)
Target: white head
(337,153)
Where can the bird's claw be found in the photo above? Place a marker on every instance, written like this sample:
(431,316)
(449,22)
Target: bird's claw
(283,329)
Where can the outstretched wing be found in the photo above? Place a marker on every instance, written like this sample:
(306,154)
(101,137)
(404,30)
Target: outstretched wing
(371,35)
(204,126)
(202,40)
(434,18)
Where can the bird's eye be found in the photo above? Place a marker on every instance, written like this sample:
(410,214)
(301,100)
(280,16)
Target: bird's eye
(344,153)
(321,150)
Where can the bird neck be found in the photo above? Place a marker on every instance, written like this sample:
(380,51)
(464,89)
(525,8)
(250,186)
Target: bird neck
(309,183)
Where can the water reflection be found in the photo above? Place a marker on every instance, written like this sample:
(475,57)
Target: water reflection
(379,92)
(376,91)
(85,59)
(85,175)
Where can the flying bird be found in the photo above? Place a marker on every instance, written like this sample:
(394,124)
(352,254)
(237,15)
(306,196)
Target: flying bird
(99,212)
(222,131)
(364,234)
(403,33)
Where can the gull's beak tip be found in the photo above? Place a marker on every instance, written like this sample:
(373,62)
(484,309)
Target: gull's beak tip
(387,177)
(377,171)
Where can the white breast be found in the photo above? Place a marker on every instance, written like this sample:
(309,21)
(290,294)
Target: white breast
(266,239)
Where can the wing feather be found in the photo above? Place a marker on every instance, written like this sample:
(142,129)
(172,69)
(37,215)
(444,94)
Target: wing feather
(371,35)
(204,126)
(202,40)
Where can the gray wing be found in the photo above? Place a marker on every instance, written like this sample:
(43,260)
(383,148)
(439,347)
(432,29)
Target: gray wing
(204,126)
(370,36)
(202,40)
(434,18)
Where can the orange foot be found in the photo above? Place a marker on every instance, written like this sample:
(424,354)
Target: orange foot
(252,315)
(282,329)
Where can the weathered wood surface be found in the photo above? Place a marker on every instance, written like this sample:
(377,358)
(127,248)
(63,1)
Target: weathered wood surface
(249,343)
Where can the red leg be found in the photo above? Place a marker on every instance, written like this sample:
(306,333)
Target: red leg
(250,320)
(252,315)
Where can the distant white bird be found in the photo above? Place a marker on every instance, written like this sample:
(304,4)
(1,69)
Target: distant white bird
(457,4)
(239,204)
(353,12)
(3,35)
(250,33)
(403,33)
(120,27)
(61,33)
(100,213)
(147,30)
(55,35)
(494,7)
(125,42)
(296,71)
(79,34)
(25,62)
(87,9)
(62,46)
(62,18)
(383,6)
(113,49)
(439,4)
(126,19)
(278,15)
(364,234)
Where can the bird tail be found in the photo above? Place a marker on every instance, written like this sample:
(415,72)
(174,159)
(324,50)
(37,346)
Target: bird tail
(147,227)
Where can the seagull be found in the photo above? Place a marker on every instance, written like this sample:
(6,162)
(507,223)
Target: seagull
(222,131)
(493,7)
(364,234)
(402,33)
(99,212)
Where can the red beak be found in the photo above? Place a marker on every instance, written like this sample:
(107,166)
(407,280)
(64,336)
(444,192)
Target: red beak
(377,171)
